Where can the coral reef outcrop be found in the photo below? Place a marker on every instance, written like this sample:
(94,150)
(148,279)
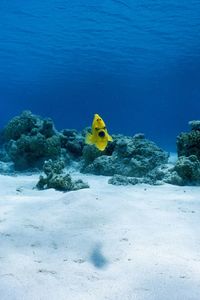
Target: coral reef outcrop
(128,156)
(56,178)
(187,168)
(188,143)
(73,142)
(185,172)
(30,140)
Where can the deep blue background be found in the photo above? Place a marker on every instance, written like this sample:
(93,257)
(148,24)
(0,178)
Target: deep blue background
(137,63)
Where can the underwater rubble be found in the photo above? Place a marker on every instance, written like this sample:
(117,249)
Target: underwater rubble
(29,142)
(56,178)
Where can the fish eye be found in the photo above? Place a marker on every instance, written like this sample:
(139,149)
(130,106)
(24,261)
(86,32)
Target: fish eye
(101,134)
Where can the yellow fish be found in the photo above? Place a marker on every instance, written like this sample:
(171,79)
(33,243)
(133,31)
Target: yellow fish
(99,136)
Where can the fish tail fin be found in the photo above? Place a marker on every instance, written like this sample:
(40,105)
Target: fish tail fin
(101,146)
(88,139)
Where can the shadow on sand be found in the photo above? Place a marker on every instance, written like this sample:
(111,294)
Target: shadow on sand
(97,258)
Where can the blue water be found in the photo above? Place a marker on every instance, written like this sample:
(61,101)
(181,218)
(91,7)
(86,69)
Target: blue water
(136,63)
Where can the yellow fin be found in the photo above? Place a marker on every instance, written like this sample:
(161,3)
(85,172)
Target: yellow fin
(101,146)
(110,139)
(88,139)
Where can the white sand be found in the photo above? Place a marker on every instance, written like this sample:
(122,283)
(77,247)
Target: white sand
(106,242)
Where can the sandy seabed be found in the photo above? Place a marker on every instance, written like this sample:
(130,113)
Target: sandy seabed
(107,242)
